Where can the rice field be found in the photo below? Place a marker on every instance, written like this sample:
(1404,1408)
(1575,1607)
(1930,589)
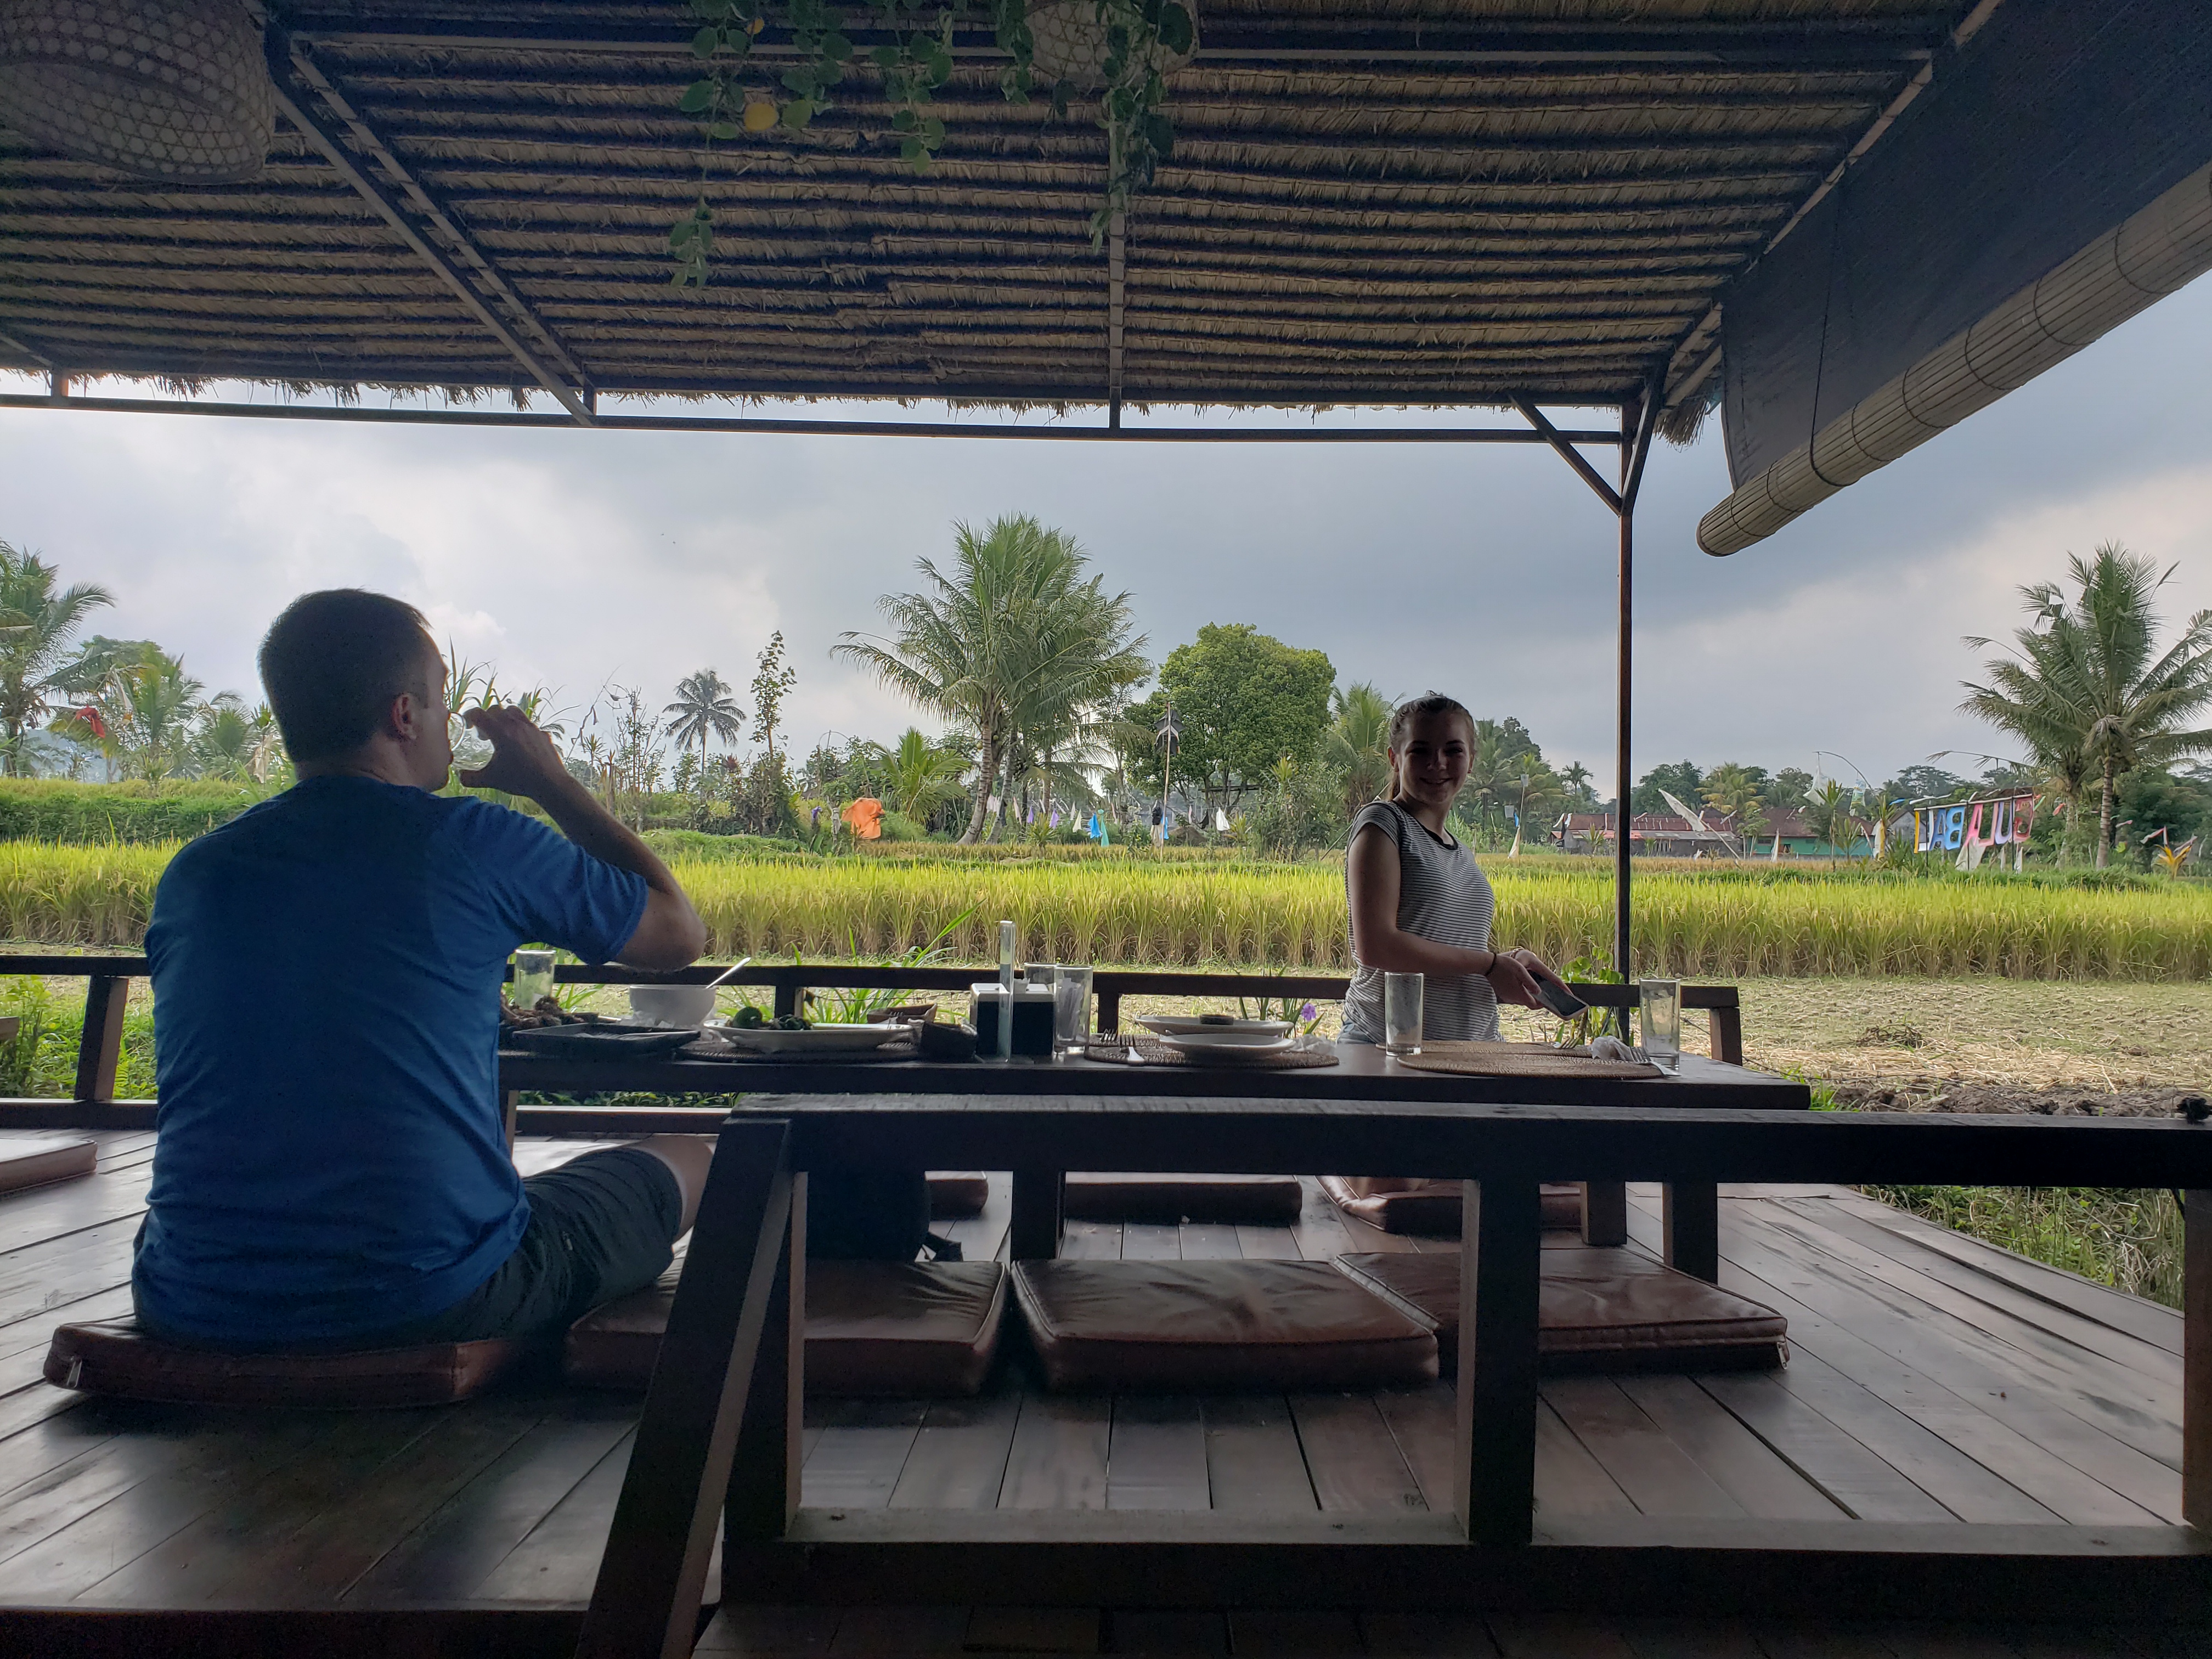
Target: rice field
(1140,913)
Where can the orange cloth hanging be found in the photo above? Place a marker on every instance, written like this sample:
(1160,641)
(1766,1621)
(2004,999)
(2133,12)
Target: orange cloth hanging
(866,816)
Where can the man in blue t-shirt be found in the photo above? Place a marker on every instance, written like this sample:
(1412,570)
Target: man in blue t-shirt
(333,1169)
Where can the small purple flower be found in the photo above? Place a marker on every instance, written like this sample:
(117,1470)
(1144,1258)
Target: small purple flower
(1309,1012)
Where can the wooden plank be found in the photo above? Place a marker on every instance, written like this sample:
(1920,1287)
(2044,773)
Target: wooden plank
(1859,1482)
(99,1048)
(1501,1245)
(1311,1633)
(1156,1457)
(38,1214)
(24,1343)
(195,1563)
(2196,1384)
(66,1270)
(856,1463)
(446,1559)
(1659,1476)
(1035,1629)
(1258,1244)
(1570,1482)
(1738,1462)
(762,1493)
(982,1236)
(1537,1635)
(958,1459)
(770,1632)
(1923,1641)
(1151,1241)
(1424,1423)
(2148,1320)
(1253,1459)
(1795,1641)
(1425,1636)
(556,1564)
(1090,1241)
(1692,1638)
(1207,1241)
(899,1632)
(1353,1456)
(1156,1633)
(1057,1459)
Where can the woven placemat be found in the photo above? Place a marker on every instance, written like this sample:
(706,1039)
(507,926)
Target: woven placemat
(1154,1053)
(1519,1060)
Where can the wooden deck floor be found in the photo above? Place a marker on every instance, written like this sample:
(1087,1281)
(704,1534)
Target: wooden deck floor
(1933,1380)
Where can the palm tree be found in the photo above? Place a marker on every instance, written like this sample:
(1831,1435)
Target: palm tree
(36,626)
(1833,818)
(704,708)
(1011,640)
(1353,745)
(923,776)
(2082,688)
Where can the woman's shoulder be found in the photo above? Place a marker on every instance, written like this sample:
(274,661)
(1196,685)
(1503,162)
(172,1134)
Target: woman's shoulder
(1386,816)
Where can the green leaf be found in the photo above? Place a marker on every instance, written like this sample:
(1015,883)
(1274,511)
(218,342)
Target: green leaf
(836,48)
(798,113)
(1177,31)
(696,97)
(726,130)
(681,232)
(704,43)
(914,155)
(932,133)
(1159,133)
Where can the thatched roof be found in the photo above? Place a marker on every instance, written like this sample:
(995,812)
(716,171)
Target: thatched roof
(1404,201)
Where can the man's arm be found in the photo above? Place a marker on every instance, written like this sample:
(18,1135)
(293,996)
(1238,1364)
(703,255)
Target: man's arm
(524,763)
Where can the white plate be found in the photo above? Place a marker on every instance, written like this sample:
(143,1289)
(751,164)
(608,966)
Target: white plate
(819,1039)
(1179,1024)
(1220,1043)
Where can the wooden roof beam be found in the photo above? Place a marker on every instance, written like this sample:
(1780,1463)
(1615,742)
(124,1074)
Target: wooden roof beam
(292,70)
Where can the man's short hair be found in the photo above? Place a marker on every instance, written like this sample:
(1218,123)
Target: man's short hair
(333,662)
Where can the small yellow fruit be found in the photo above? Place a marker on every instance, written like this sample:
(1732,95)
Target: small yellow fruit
(760,117)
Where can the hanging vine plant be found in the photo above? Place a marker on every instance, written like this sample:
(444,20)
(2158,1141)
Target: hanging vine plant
(1122,50)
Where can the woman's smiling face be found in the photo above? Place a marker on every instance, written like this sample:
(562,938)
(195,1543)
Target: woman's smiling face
(1432,767)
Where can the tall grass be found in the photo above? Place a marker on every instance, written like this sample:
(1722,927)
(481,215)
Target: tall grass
(1188,912)
(2128,1238)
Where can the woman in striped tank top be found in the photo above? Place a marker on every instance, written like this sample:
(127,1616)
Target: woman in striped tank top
(1420,903)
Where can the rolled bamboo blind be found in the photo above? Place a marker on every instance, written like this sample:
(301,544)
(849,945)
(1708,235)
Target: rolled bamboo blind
(2151,254)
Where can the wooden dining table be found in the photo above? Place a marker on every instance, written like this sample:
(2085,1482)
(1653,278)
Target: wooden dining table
(718,1436)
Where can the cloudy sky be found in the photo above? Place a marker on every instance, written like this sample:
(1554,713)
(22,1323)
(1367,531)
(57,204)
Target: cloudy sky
(576,559)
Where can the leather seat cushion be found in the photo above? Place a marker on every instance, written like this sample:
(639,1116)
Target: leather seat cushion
(32,1160)
(954,1193)
(1598,1309)
(896,1329)
(1402,1204)
(1105,1196)
(1215,1325)
(114,1357)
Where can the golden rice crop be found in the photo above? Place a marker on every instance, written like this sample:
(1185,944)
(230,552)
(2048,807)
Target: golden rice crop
(1143,913)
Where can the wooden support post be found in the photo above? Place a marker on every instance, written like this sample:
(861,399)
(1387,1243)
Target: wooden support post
(1109,1010)
(763,1493)
(1494,1467)
(789,999)
(1605,1212)
(100,1052)
(1692,1210)
(1039,1209)
(651,1577)
(1726,1026)
(2196,1358)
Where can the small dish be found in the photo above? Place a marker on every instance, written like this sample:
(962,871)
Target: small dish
(1220,1044)
(606,1040)
(1180,1025)
(818,1039)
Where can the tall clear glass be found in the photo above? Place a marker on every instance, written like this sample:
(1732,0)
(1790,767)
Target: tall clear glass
(1071,1010)
(1402,1013)
(533,978)
(1661,1026)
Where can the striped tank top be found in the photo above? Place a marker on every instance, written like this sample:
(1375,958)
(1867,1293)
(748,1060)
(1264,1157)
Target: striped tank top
(1443,897)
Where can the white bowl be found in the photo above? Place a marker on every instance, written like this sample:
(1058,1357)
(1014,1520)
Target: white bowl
(1191,1024)
(1220,1044)
(673,1005)
(822,1038)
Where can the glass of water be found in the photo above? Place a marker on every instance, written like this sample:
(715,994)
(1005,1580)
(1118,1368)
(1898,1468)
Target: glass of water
(1071,1010)
(533,978)
(1401,1013)
(1662,1023)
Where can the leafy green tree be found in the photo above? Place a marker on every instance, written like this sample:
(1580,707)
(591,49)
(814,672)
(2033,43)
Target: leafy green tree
(1356,746)
(2083,688)
(1832,814)
(772,683)
(1011,638)
(1927,783)
(704,710)
(236,743)
(1582,796)
(1677,778)
(1787,791)
(1245,701)
(37,624)
(923,776)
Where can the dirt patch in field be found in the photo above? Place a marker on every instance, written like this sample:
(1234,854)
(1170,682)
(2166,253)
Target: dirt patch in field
(1999,1100)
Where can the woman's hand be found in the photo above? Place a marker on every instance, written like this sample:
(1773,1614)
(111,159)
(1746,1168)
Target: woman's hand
(1513,976)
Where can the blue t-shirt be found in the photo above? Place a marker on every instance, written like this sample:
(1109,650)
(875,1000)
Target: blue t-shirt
(326,975)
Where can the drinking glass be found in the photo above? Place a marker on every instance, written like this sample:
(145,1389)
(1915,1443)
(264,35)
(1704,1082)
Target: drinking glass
(1070,1009)
(1401,1013)
(1662,1024)
(533,978)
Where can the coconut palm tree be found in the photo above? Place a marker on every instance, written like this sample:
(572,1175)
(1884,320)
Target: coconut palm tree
(2082,686)
(704,709)
(923,776)
(1010,639)
(1833,816)
(1355,742)
(36,627)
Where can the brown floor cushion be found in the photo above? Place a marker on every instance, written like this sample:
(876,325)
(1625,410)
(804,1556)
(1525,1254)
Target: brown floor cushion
(1600,1309)
(32,1160)
(1102,1196)
(114,1357)
(894,1329)
(955,1193)
(1401,1204)
(1215,1325)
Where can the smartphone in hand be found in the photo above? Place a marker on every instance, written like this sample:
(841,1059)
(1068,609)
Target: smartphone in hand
(1556,997)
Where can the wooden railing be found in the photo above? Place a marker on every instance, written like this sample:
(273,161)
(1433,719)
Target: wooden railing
(108,986)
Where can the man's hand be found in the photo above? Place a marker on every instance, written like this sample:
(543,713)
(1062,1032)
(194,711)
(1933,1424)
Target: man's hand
(524,761)
(1513,976)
